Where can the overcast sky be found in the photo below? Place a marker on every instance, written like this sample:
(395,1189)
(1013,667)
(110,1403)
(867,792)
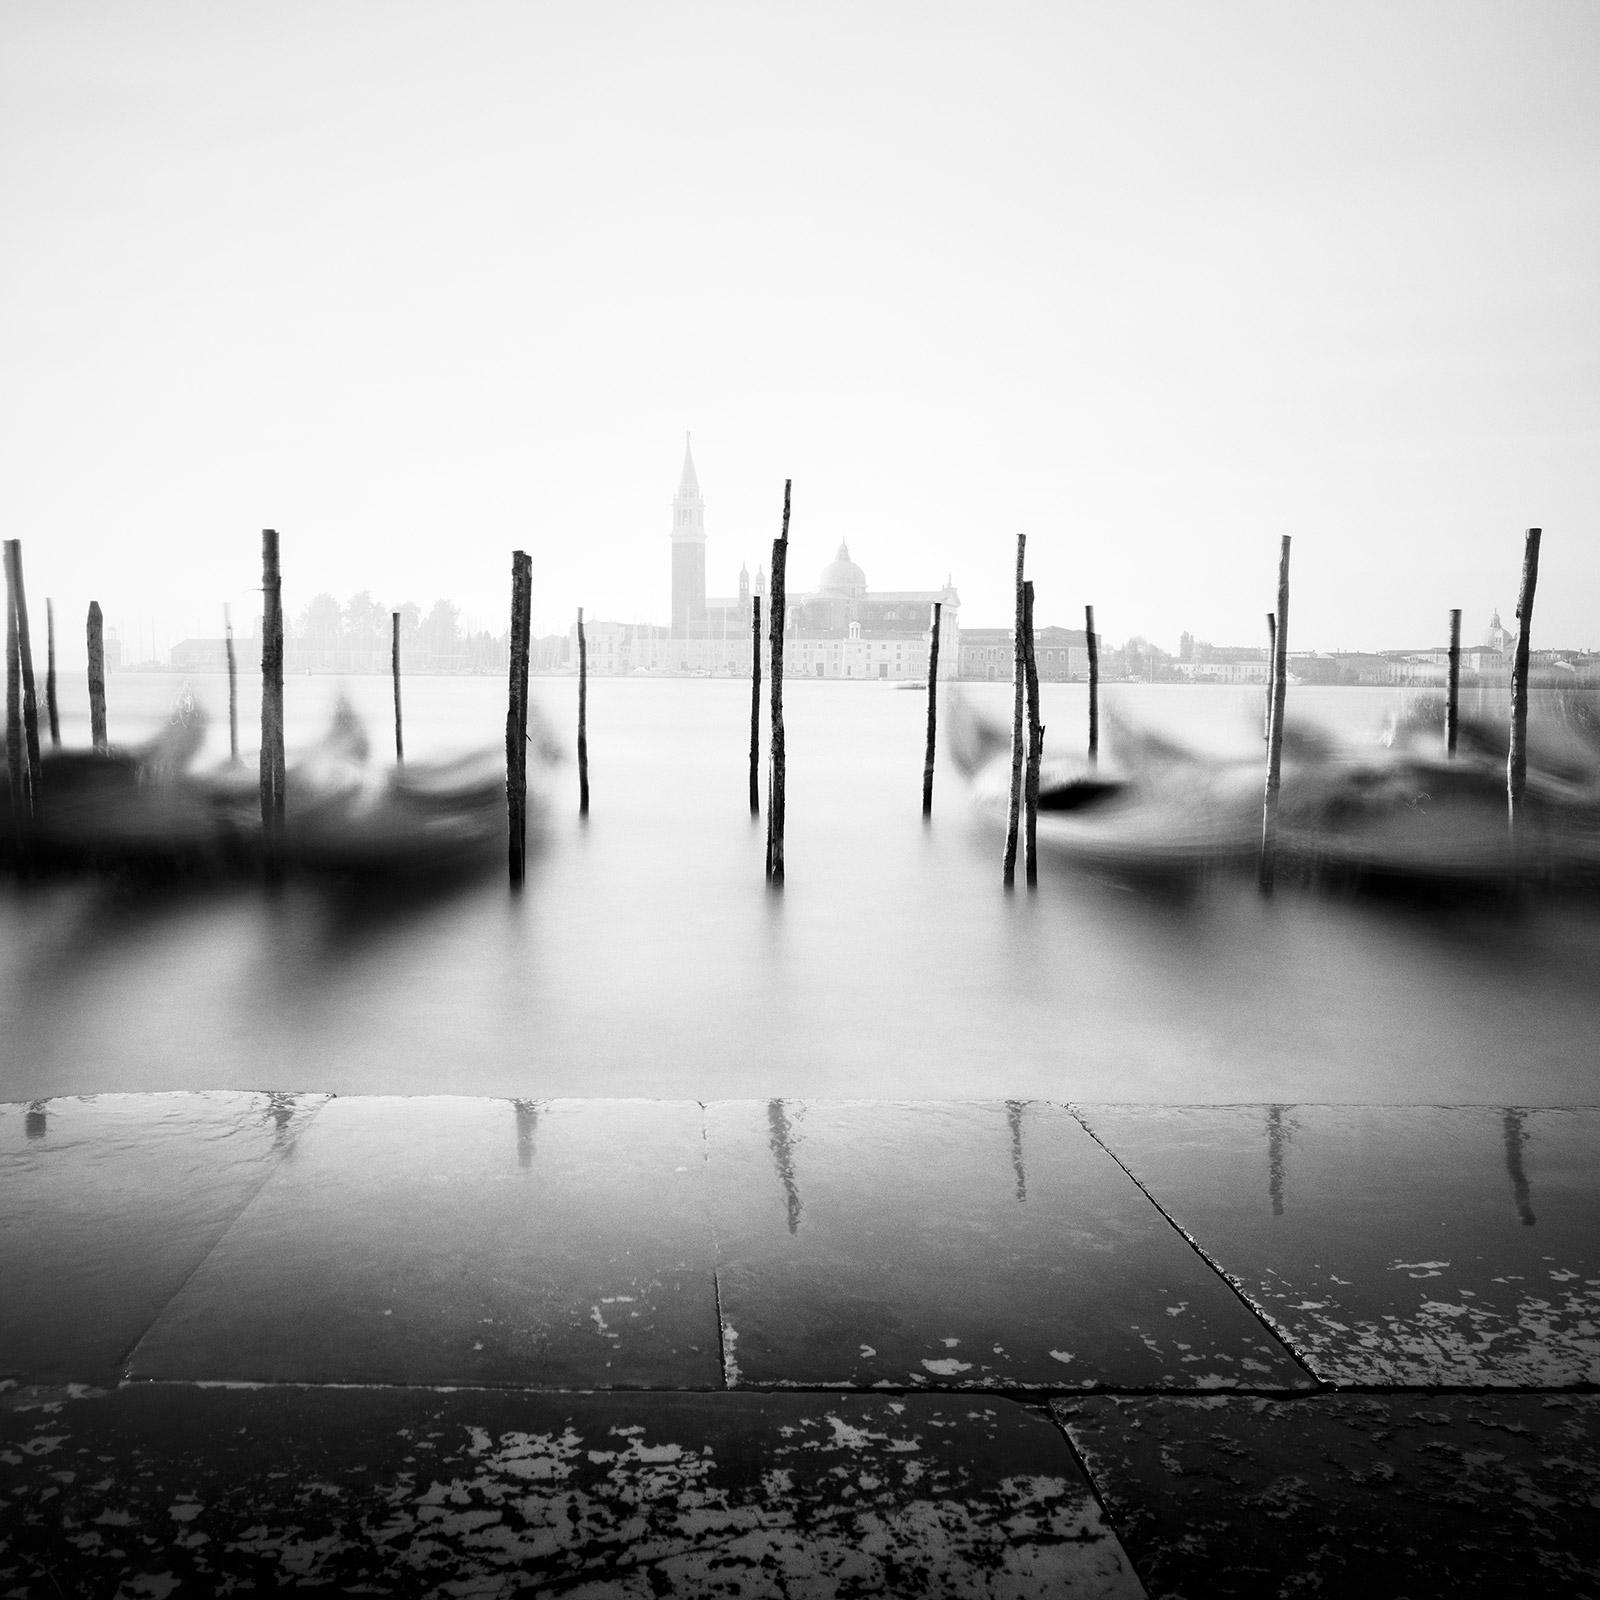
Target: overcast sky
(1154,284)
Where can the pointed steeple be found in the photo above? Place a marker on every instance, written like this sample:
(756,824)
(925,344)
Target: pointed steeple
(689,483)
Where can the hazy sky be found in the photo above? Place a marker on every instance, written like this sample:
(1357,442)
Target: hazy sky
(1155,284)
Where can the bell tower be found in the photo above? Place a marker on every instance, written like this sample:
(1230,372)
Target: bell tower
(688,550)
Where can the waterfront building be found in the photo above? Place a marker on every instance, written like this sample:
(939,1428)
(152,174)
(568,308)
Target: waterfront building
(1062,654)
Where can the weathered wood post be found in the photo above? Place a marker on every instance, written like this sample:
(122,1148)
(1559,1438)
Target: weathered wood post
(933,709)
(30,698)
(1018,693)
(394,668)
(1272,673)
(16,763)
(517,715)
(97,679)
(1030,788)
(50,673)
(1452,699)
(1094,685)
(273,774)
(233,687)
(583,719)
(755,705)
(1280,674)
(1517,758)
(777,754)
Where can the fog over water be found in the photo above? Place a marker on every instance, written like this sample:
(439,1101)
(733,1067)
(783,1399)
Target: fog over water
(647,956)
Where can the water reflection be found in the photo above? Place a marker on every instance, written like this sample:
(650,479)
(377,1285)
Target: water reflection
(1014,1122)
(1280,1132)
(1516,1135)
(782,1142)
(527,1113)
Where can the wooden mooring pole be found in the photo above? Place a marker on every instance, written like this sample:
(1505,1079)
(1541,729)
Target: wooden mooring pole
(97,678)
(273,772)
(233,686)
(517,715)
(933,709)
(1452,699)
(1094,685)
(1018,673)
(1272,673)
(1517,757)
(583,719)
(50,673)
(755,705)
(394,668)
(1030,787)
(30,697)
(1280,664)
(16,763)
(777,755)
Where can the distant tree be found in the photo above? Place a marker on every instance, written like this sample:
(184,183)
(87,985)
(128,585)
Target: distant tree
(317,633)
(441,641)
(366,632)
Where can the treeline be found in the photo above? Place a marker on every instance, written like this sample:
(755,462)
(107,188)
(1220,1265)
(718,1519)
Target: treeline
(357,637)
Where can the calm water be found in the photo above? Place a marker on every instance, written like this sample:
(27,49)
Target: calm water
(647,956)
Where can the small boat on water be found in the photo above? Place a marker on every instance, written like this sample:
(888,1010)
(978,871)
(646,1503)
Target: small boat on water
(1395,813)
(146,808)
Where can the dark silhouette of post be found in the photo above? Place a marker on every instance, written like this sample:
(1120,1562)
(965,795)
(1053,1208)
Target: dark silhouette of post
(233,687)
(517,715)
(778,755)
(16,762)
(1280,663)
(1272,673)
(755,705)
(1452,699)
(50,673)
(273,774)
(583,719)
(1517,758)
(30,698)
(1030,787)
(97,679)
(1094,685)
(1018,694)
(394,668)
(933,710)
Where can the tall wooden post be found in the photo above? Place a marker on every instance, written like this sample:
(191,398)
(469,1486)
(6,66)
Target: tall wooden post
(583,719)
(394,668)
(233,687)
(1030,788)
(1517,758)
(778,756)
(1272,672)
(1280,677)
(1452,699)
(1094,685)
(16,760)
(1018,693)
(30,698)
(97,679)
(517,715)
(273,774)
(50,673)
(755,705)
(933,709)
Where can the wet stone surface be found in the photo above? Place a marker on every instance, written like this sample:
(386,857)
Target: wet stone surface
(454,1240)
(175,1490)
(1419,1495)
(109,1202)
(1397,1245)
(962,1245)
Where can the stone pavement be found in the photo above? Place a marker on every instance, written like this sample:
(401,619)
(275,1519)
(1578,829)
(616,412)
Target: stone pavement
(465,1346)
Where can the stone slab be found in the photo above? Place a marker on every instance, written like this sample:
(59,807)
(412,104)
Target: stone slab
(1421,1495)
(109,1202)
(962,1245)
(1394,1245)
(175,1490)
(457,1240)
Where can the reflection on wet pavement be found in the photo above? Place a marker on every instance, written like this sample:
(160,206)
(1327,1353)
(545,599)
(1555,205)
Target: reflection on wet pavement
(1414,1245)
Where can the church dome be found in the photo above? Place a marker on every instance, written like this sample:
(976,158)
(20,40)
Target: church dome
(843,576)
